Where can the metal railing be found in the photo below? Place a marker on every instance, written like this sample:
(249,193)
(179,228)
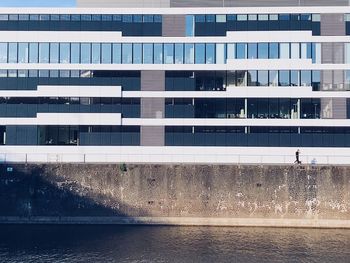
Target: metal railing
(6,158)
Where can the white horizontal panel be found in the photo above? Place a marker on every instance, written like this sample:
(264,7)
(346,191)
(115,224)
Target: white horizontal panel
(116,37)
(66,119)
(195,10)
(237,122)
(242,92)
(166,154)
(58,36)
(236,64)
(66,91)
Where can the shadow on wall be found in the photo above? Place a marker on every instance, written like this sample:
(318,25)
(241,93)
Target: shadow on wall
(35,191)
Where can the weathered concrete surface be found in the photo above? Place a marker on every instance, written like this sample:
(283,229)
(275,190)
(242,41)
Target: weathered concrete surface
(176,194)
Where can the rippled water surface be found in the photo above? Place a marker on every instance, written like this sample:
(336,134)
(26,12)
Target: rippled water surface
(171,244)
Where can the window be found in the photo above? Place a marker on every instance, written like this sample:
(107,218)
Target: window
(210,18)
(316,17)
(85,53)
(220,18)
(263,17)
(241,76)
(252,79)
(148,18)
(284,78)
(305,50)
(33,52)
(241,49)
(242,17)
(294,78)
(220,54)
(23,53)
(168,53)
(252,50)
(199,53)
(179,50)
(189,25)
(127,18)
(263,78)
(137,54)
(127,53)
(54,51)
(107,53)
(284,51)
(117,54)
(305,78)
(75,53)
(273,51)
(231,51)
(147,53)
(294,51)
(158,54)
(96,53)
(12,52)
(273,78)
(44,53)
(189,54)
(316,80)
(3,52)
(210,53)
(138,18)
(64,53)
(316,52)
(263,50)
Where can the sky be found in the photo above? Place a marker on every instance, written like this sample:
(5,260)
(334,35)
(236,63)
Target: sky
(36,3)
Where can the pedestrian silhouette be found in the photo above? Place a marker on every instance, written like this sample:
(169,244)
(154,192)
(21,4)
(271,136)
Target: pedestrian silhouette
(297,154)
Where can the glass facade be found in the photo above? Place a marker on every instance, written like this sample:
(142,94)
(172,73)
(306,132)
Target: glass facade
(155,53)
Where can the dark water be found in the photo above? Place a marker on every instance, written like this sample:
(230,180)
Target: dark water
(171,244)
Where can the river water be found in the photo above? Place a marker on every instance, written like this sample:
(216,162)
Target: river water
(35,243)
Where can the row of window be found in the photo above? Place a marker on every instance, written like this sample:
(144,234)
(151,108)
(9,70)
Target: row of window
(210,18)
(157,53)
(23,73)
(70,100)
(83,17)
(253,108)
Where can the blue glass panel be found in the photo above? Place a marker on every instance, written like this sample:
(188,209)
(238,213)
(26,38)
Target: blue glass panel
(189,53)
(189,25)
(273,51)
(3,52)
(85,53)
(12,52)
(158,54)
(54,52)
(126,53)
(117,53)
(263,50)
(200,53)
(147,53)
(106,53)
(44,53)
(179,54)
(241,50)
(96,53)
(210,53)
(75,53)
(33,52)
(252,50)
(137,54)
(168,53)
(23,53)
(64,53)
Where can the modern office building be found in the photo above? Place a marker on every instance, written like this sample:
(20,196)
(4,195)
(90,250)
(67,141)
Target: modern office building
(176,81)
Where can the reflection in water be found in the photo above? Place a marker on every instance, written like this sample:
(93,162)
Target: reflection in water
(171,244)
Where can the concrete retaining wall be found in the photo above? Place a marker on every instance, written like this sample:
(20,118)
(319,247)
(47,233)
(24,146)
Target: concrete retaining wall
(305,196)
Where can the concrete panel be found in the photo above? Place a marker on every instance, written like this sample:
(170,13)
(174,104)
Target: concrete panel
(326,80)
(338,53)
(339,108)
(327,53)
(152,108)
(174,26)
(152,135)
(152,80)
(332,25)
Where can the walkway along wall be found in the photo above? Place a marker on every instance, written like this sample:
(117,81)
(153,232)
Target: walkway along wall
(297,196)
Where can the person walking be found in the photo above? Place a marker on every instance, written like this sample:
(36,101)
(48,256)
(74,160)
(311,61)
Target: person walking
(297,155)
